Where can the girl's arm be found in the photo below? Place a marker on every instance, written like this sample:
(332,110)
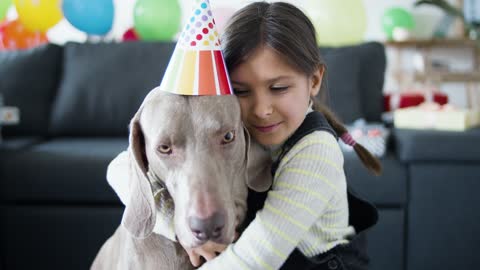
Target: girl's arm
(118,176)
(309,176)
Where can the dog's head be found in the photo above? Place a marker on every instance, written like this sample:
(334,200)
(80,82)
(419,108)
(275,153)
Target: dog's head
(197,148)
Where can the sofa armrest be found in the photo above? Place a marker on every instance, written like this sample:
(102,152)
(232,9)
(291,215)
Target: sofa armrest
(431,145)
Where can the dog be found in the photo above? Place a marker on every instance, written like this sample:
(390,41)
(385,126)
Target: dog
(195,153)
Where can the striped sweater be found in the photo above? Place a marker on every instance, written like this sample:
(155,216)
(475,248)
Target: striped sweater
(306,208)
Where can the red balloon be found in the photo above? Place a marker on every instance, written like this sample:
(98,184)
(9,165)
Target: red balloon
(130,35)
(14,36)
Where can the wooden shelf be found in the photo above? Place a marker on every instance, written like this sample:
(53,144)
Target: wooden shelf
(429,43)
(445,76)
(425,48)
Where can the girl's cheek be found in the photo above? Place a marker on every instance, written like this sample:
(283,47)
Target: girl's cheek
(245,120)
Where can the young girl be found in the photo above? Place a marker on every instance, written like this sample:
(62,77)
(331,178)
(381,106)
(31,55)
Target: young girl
(309,219)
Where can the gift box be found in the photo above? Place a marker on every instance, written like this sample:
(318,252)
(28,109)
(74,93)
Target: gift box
(435,116)
(393,101)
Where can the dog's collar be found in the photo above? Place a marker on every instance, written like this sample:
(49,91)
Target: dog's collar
(155,182)
(164,225)
(159,190)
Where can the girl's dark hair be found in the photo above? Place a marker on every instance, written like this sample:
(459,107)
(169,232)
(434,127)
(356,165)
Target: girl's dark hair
(287,30)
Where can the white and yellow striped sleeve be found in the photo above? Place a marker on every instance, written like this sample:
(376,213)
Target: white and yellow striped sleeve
(306,182)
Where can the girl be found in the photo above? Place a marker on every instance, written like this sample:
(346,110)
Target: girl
(309,219)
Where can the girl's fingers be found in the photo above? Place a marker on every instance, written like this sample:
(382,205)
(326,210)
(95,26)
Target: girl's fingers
(209,255)
(210,250)
(194,257)
(237,234)
(216,247)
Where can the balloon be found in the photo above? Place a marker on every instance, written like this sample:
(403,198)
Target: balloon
(396,17)
(4,5)
(157,19)
(337,22)
(93,17)
(130,35)
(14,36)
(38,14)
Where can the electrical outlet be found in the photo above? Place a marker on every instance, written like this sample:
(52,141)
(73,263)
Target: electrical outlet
(9,115)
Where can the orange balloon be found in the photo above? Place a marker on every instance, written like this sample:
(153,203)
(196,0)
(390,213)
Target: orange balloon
(14,36)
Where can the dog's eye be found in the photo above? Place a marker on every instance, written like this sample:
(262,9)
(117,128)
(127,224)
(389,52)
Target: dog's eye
(229,137)
(165,149)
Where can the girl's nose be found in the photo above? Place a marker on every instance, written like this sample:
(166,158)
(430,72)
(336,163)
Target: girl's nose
(262,107)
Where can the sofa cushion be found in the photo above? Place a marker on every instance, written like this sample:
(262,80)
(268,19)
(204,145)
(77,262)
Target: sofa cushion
(28,80)
(54,236)
(356,96)
(387,252)
(342,84)
(443,208)
(389,189)
(104,84)
(431,145)
(17,143)
(61,170)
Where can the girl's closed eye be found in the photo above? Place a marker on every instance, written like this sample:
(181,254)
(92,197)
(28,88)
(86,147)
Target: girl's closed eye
(279,88)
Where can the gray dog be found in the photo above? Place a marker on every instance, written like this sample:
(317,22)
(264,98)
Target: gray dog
(187,166)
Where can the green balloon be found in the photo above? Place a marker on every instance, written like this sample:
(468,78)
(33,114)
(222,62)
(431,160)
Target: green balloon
(396,17)
(4,5)
(157,19)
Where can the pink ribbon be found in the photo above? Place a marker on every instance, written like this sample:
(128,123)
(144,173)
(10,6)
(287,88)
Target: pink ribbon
(347,139)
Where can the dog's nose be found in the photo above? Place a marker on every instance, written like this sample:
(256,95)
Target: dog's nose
(209,228)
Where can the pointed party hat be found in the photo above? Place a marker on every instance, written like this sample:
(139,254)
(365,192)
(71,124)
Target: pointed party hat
(197,66)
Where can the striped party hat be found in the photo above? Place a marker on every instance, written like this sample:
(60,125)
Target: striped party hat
(197,66)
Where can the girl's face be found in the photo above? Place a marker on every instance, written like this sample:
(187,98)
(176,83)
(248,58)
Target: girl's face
(274,97)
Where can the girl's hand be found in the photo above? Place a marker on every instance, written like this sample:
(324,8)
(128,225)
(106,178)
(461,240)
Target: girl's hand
(209,251)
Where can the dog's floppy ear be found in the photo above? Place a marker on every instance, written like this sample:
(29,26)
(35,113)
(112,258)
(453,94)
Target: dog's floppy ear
(259,177)
(139,216)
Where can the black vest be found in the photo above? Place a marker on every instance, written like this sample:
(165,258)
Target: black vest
(362,214)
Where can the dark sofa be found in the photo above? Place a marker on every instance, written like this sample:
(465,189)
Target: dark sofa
(56,208)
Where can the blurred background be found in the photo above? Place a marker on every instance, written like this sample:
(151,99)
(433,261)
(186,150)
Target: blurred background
(338,23)
(368,11)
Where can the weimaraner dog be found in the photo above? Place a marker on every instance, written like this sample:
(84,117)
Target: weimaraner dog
(189,161)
